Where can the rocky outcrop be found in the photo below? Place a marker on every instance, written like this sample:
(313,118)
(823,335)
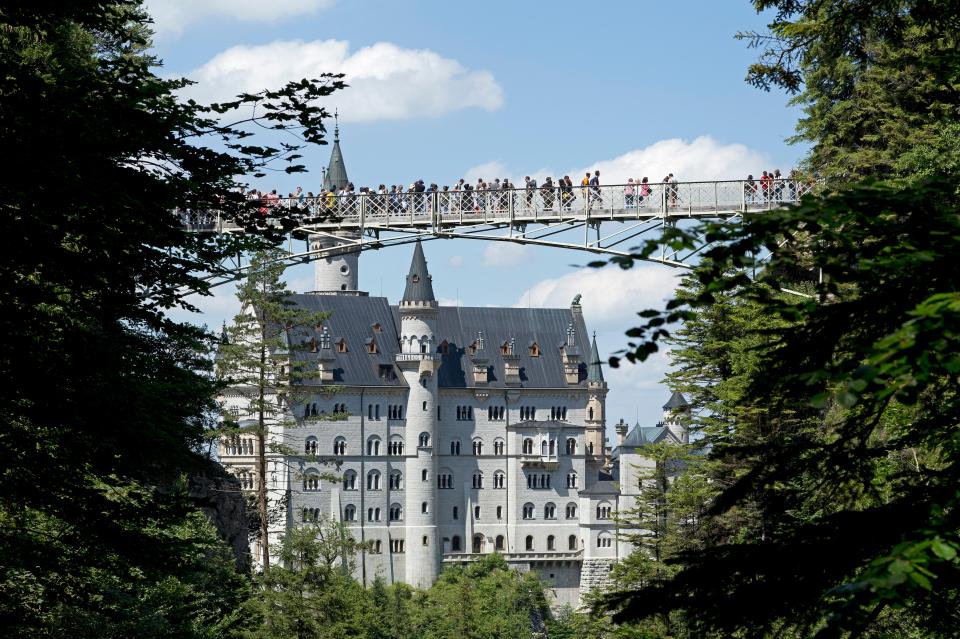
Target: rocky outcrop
(218,494)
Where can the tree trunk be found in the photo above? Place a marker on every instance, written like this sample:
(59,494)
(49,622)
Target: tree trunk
(262,462)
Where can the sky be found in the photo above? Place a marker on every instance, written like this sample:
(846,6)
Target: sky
(443,90)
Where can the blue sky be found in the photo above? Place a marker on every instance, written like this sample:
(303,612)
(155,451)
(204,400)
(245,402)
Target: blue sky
(443,90)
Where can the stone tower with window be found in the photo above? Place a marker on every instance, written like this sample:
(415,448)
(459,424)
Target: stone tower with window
(419,361)
(336,273)
(596,405)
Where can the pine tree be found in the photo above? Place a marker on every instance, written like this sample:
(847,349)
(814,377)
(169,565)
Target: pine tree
(263,363)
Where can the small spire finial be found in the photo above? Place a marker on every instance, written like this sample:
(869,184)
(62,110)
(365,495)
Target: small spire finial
(336,125)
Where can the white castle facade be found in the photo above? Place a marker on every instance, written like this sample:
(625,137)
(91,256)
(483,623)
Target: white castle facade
(457,432)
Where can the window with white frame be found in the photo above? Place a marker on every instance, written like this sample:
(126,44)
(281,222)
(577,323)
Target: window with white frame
(311,481)
(478,480)
(349,512)
(499,479)
(477,447)
(528,510)
(340,446)
(373,480)
(604,510)
(350,480)
(571,511)
(550,511)
(373,445)
(604,540)
(396,480)
(499,447)
(571,480)
(310,446)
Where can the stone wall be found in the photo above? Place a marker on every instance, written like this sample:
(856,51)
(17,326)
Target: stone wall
(219,496)
(595,573)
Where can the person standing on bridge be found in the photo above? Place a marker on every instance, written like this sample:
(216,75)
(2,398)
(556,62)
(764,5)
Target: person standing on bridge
(644,190)
(749,190)
(530,185)
(567,192)
(547,194)
(629,194)
(595,195)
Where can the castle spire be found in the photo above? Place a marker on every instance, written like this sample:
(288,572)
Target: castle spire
(336,176)
(419,283)
(594,369)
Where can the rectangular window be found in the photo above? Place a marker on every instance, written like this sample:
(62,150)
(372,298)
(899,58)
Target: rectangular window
(499,512)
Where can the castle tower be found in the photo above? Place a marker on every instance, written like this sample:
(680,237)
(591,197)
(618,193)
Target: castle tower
(337,271)
(596,403)
(418,361)
(675,414)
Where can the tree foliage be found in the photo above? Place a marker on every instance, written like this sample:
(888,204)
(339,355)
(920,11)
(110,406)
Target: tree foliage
(105,401)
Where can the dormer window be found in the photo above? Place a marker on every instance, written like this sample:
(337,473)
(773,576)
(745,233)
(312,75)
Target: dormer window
(472,348)
(342,345)
(534,350)
(415,278)
(372,346)
(376,328)
(506,348)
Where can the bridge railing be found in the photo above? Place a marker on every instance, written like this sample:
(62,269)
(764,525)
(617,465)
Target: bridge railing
(543,203)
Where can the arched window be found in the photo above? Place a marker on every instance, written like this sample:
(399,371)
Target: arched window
(396,445)
(350,480)
(396,512)
(527,446)
(590,413)
(571,511)
(373,445)
(528,510)
(424,508)
(551,542)
(603,510)
(311,481)
(373,514)
(553,447)
(529,542)
(445,478)
(423,474)
(478,543)
(563,413)
(499,479)
(349,512)
(455,543)
(373,480)
(571,446)
(378,547)
(550,511)
(498,544)
(424,440)
(478,480)
(498,446)
(340,446)
(571,480)
(396,480)
(543,448)
(477,447)
(455,447)
(604,540)
(310,446)
(572,542)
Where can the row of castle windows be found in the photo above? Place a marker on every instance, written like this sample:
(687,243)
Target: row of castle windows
(237,445)
(463,413)
(445,480)
(547,448)
(395,512)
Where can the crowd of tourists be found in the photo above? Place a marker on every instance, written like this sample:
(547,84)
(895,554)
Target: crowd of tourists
(496,195)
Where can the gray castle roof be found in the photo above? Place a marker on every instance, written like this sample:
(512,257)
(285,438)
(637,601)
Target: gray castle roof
(351,319)
(419,283)
(594,368)
(676,401)
(336,175)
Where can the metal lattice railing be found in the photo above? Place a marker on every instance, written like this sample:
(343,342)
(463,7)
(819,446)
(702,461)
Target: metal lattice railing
(541,204)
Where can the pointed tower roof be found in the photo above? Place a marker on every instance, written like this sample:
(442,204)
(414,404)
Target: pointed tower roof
(336,176)
(676,401)
(594,369)
(419,283)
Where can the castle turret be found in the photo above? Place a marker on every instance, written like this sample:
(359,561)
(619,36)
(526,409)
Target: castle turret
(596,403)
(418,361)
(675,414)
(336,270)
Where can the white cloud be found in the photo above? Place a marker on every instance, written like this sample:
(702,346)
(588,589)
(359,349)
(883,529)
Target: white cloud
(455,261)
(704,158)
(386,82)
(488,171)
(611,296)
(504,254)
(171,17)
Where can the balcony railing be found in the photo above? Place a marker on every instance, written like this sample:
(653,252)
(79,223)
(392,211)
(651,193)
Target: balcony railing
(418,357)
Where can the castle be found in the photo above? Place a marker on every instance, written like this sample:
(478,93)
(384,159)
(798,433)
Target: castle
(458,431)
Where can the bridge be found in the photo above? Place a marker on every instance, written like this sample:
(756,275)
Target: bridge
(600,220)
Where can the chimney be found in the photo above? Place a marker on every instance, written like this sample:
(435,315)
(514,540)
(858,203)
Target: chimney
(621,428)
